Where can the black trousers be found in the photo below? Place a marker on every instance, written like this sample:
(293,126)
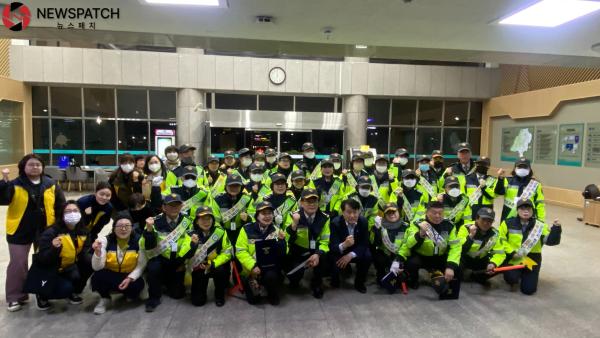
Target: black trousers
(476,264)
(106,281)
(162,271)
(71,280)
(382,261)
(296,256)
(270,279)
(528,278)
(362,267)
(429,263)
(200,284)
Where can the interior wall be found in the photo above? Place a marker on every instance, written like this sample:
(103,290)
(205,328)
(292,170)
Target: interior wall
(19,92)
(575,103)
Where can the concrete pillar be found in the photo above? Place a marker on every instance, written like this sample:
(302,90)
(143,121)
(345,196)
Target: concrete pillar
(355,109)
(191,116)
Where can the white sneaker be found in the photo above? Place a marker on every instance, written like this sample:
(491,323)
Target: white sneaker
(14,306)
(100,308)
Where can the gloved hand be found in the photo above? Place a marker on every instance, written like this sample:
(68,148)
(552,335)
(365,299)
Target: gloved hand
(395,268)
(377,222)
(157,181)
(278,219)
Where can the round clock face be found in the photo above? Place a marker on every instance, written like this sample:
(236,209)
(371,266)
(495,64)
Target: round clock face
(277,75)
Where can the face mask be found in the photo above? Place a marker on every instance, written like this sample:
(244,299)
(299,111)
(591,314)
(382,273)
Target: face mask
(438,164)
(172,156)
(72,218)
(187,161)
(337,165)
(260,164)
(424,167)
(454,192)
(369,162)
(358,166)
(364,192)
(381,168)
(154,167)
(481,170)
(127,168)
(410,183)
(402,161)
(271,159)
(309,154)
(189,183)
(246,162)
(256,177)
(522,172)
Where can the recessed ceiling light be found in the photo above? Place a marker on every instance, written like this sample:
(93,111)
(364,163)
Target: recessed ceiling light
(361,46)
(210,3)
(551,13)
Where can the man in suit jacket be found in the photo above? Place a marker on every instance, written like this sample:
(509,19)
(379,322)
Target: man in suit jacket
(349,243)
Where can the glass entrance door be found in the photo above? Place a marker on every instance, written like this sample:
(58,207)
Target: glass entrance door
(291,141)
(260,140)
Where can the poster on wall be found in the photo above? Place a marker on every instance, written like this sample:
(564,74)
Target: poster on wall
(592,154)
(545,144)
(570,140)
(516,142)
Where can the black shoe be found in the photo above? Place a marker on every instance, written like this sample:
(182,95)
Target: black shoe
(152,304)
(335,283)
(200,302)
(274,300)
(317,293)
(413,284)
(75,299)
(360,288)
(42,304)
(219,302)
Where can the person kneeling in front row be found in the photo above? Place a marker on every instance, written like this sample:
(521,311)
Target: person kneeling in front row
(118,262)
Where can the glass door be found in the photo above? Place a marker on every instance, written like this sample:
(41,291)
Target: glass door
(260,140)
(291,141)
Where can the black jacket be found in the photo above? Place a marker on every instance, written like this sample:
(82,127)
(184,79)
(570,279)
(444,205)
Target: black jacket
(49,255)
(99,217)
(339,232)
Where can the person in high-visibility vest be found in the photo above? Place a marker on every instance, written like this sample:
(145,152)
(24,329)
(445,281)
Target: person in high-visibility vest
(522,185)
(523,237)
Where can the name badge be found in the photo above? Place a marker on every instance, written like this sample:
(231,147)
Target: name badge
(232,226)
(313,244)
(173,246)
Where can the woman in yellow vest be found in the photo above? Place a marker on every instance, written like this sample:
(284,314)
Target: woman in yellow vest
(64,248)
(118,263)
(33,200)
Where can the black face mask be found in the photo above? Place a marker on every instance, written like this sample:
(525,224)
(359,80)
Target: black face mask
(438,164)
(187,161)
(481,170)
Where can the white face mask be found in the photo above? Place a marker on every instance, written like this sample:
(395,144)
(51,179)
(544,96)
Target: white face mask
(358,166)
(154,167)
(381,168)
(189,183)
(337,165)
(246,161)
(364,192)
(402,160)
(522,172)
(271,159)
(172,156)
(72,218)
(369,162)
(454,192)
(309,154)
(256,177)
(127,168)
(410,183)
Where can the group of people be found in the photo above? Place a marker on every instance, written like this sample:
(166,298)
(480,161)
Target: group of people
(254,220)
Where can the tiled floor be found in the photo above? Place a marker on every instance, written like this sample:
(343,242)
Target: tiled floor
(566,305)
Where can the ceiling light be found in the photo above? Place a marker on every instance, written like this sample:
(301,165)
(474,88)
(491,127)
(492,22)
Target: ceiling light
(361,46)
(551,13)
(98,120)
(210,3)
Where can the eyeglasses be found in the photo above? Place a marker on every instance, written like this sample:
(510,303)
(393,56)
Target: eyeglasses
(123,226)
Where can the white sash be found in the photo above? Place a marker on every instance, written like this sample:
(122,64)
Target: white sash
(236,209)
(458,208)
(527,193)
(486,248)
(202,251)
(425,184)
(479,191)
(534,236)
(327,196)
(171,239)
(435,237)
